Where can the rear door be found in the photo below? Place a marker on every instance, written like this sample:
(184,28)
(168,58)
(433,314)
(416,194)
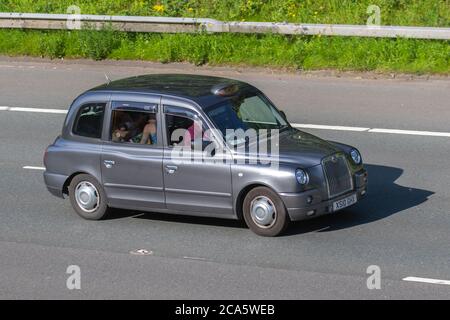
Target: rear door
(132,155)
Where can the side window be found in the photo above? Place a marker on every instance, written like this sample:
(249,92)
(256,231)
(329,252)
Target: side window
(183,127)
(130,125)
(89,121)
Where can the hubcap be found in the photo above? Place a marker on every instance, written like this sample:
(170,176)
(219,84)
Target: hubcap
(86,196)
(263,212)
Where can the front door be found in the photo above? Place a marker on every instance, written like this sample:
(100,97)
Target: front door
(192,185)
(132,158)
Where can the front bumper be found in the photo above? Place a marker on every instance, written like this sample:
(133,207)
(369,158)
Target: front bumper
(299,208)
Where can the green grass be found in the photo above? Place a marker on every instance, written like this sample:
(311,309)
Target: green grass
(393,12)
(296,52)
(305,52)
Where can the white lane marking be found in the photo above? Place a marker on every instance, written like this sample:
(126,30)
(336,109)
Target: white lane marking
(194,258)
(427,280)
(412,132)
(296,125)
(374,130)
(325,127)
(40,110)
(33,168)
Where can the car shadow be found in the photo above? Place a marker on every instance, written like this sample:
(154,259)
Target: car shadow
(191,219)
(384,198)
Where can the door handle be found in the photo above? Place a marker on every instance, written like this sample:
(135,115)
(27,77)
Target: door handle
(171,169)
(109,163)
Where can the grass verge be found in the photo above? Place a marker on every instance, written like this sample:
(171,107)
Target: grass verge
(298,52)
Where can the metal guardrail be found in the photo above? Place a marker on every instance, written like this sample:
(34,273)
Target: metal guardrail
(192,25)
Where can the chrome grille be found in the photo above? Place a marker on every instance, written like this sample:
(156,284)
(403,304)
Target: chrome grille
(338,175)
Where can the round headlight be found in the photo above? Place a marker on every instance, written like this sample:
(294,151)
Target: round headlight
(355,156)
(301,176)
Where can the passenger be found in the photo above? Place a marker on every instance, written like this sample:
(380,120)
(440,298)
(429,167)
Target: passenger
(192,133)
(149,132)
(122,132)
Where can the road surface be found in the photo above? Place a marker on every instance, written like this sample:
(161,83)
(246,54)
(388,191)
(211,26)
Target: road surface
(403,226)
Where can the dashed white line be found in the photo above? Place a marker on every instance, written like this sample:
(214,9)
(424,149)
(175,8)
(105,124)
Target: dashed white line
(33,168)
(194,258)
(427,280)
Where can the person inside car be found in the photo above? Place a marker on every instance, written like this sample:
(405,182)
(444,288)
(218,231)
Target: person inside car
(148,135)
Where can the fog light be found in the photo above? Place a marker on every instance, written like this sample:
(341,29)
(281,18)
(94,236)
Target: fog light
(309,200)
(311,213)
(363,192)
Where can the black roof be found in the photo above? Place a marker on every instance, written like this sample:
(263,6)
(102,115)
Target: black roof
(194,87)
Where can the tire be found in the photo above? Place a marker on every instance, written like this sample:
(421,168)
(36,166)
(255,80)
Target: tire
(260,199)
(96,207)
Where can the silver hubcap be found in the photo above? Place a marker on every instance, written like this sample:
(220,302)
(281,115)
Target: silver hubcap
(263,212)
(86,196)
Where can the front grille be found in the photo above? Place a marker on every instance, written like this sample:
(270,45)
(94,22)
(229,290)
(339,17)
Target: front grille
(338,175)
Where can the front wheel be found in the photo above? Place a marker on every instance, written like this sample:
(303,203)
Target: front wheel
(88,197)
(264,212)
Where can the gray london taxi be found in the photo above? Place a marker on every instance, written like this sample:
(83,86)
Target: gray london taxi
(116,150)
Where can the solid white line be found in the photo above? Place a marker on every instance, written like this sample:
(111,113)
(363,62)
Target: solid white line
(33,168)
(40,110)
(427,280)
(4,108)
(324,127)
(412,132)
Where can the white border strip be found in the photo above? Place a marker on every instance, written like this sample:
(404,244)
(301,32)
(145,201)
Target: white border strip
(412,132)
(427,280)
(39,110)
(296,125)
(324,127)
(374,130)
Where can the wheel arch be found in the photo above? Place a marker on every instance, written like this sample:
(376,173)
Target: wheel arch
(243,192)
(66,184)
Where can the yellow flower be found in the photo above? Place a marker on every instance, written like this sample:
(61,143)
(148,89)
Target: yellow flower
(158,8)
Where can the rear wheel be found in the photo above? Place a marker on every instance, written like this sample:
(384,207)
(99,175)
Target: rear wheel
(88,197)
(264,212)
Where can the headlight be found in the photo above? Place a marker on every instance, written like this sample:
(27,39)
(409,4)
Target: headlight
(355,156)
(301,176)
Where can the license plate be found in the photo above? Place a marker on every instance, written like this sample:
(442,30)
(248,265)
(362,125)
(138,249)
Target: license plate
(344,203)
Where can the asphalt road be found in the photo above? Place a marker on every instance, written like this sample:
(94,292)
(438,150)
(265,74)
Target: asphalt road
(402,226)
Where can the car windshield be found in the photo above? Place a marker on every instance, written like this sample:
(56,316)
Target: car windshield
(252,111)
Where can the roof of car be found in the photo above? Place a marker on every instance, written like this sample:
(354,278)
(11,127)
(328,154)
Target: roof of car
(191,86)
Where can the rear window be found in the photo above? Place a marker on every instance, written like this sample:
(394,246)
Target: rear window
(89,121)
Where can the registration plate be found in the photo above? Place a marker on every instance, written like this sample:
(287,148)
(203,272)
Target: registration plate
(344,203)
